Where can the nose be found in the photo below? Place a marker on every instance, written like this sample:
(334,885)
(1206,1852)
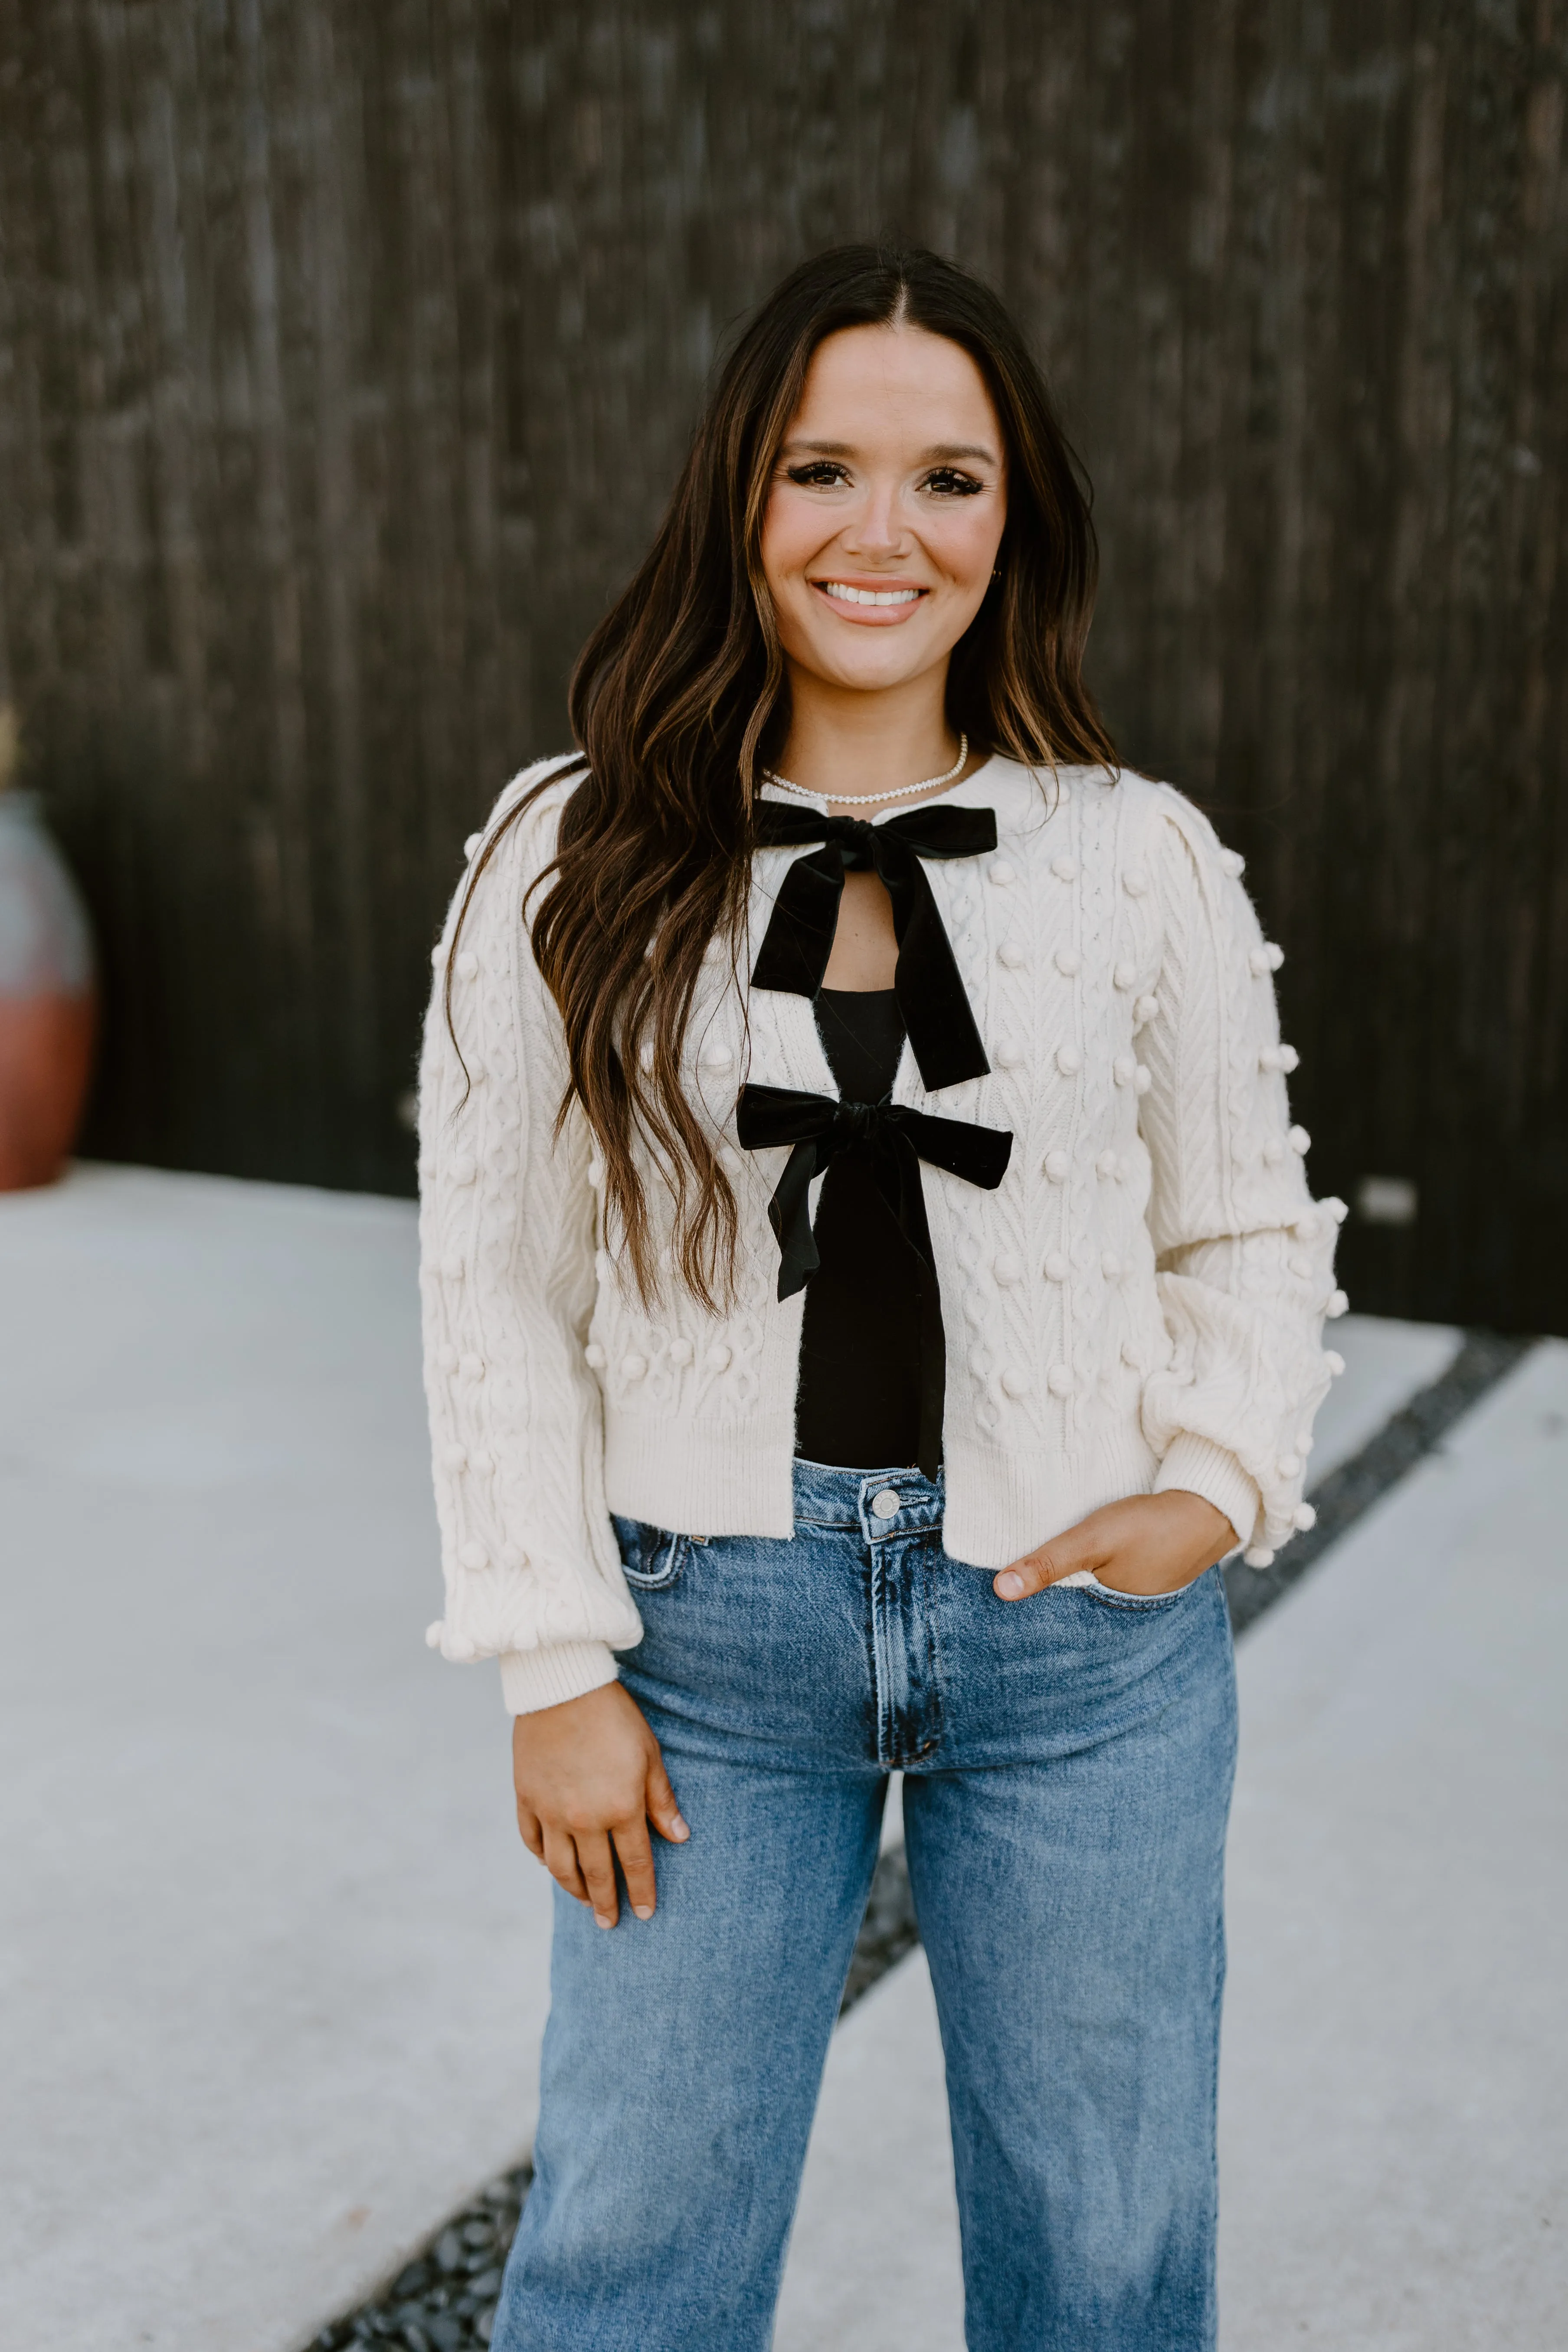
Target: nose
(878,529)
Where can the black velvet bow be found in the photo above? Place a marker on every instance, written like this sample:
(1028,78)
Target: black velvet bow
(900,1138)
(799,939)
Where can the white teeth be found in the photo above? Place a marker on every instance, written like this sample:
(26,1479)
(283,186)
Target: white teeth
(869,595)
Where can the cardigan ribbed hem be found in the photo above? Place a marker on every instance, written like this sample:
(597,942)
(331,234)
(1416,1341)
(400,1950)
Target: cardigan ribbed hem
(1198,1467)
(702,1480)
(1000,1505)
(740,1482)
(549,1676)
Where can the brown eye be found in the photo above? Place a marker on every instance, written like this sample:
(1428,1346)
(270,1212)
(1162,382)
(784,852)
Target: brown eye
(948,483)
(820,475)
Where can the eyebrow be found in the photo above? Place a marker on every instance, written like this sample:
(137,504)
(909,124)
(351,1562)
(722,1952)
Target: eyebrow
(941,453)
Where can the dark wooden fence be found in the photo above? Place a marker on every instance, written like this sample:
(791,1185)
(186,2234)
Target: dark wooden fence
(348,349)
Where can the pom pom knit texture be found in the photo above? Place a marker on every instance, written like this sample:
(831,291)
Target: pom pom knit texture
(1139,1306)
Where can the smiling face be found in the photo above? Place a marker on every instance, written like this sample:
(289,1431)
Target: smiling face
(886,511)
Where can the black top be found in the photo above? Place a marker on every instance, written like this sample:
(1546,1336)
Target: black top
(872,1361)
(871,1358)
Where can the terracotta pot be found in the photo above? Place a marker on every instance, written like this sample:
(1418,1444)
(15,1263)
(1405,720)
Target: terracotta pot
(48,999)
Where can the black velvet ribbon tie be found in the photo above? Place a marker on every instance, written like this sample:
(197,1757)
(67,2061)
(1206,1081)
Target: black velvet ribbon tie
(898,1138)
(799,938)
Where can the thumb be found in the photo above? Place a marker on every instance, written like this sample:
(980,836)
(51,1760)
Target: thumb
(1075,1548)
(662,1809)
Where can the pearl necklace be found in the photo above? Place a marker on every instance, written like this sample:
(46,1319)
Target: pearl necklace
(872,800)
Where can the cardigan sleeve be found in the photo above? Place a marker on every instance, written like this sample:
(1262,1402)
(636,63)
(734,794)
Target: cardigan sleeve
(507,1276)
(1244,1257)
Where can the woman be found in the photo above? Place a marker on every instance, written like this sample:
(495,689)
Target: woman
(762,1486)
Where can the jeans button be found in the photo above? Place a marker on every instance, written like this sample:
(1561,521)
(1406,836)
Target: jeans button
(885,1505)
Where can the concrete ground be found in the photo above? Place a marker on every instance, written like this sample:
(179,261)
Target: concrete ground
(1394,2101)
(275,1965)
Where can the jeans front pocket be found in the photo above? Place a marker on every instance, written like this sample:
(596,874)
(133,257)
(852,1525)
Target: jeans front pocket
(651,1558)
(1138,1603)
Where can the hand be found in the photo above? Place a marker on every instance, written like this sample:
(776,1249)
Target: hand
(589,1779)
(1150,1543)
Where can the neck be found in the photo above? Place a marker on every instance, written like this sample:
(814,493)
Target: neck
(860,746)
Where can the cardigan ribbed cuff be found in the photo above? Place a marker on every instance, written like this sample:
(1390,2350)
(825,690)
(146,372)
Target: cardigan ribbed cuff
(532,1679)
(1198,1467)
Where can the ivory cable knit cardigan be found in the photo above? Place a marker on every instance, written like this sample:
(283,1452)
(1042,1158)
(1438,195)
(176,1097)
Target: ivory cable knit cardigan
(1138,1307)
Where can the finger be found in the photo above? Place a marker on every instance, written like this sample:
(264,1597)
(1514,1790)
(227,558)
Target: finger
(1031,1574)
(529,1830)
(1064,1555)
(598,1865)
(561,1861)
(636,1853)
(663,1811)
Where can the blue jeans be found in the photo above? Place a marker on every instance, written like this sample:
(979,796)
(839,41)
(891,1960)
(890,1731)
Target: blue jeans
(1069,1762)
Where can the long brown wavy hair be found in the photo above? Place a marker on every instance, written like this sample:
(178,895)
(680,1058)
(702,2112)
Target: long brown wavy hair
(681,698)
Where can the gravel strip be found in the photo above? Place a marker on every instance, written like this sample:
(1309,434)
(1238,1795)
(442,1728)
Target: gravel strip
(887,1930)
(444,2300)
